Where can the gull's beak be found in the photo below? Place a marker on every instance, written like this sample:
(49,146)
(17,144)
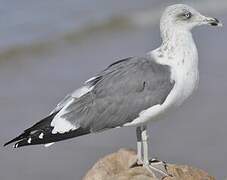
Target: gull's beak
(212,21)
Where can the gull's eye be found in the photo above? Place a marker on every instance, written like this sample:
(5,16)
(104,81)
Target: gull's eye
(188,15)
(184,15)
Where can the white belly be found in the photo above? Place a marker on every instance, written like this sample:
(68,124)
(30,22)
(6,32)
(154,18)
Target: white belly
(185,85)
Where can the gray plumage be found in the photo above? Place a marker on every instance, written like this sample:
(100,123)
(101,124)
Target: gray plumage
(132,91)
(116,96)
(120,93)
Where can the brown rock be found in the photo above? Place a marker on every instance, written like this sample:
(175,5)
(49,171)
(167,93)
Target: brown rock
(117,166)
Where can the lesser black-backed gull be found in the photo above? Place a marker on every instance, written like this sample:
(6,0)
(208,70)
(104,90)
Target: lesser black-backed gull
(132,91)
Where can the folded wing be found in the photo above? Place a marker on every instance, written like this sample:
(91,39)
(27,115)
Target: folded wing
(111,99)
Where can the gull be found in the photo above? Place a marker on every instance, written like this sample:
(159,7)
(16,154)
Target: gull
(132,91)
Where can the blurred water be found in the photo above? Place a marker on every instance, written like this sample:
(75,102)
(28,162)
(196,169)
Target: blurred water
(28,21)
(49,48)
(33,26)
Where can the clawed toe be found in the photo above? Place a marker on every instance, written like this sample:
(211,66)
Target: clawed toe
(157,168)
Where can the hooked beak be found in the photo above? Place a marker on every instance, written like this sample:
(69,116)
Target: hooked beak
(212,21)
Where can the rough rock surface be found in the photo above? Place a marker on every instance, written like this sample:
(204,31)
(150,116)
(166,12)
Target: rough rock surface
(117,166)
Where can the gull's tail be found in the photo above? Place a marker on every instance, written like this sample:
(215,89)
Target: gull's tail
(41,133)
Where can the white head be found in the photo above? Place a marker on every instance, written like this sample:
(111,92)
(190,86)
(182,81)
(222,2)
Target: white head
(184,17)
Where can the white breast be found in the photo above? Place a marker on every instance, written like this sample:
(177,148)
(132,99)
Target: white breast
(183,60)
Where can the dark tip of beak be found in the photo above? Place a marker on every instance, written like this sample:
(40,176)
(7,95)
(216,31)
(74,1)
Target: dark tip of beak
(215,22)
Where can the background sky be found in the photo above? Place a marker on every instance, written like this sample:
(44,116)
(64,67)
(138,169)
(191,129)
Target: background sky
(49,48)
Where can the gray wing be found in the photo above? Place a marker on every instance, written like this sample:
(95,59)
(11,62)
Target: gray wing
(118,94)
(113,98)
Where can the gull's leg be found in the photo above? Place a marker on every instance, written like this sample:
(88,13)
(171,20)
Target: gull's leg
(157,168)
(139,145)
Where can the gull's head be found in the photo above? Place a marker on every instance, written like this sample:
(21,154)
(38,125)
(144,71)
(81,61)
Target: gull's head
(184,17)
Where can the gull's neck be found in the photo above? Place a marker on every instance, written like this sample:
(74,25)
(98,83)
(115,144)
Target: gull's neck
(179,52)
(177,49)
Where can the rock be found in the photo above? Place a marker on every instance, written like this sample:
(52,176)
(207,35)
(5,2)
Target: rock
(117,166)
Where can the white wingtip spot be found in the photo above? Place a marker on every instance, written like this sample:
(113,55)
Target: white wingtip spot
(49,144)
(41,136)
(16,145)
(29,140)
